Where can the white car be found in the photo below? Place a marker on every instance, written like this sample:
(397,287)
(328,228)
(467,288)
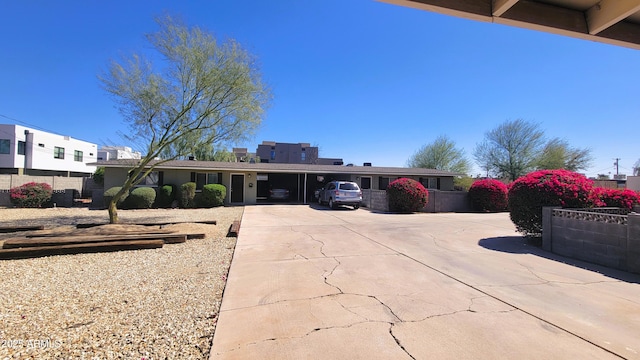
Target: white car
(341,193)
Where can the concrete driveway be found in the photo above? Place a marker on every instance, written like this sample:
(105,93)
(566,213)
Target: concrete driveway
(307,282)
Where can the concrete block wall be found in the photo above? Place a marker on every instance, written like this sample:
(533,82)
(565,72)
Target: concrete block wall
(65,189)
(439,201)
(613,243)
(633,243)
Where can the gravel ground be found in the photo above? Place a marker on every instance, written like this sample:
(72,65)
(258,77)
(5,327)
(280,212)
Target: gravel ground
(142,304)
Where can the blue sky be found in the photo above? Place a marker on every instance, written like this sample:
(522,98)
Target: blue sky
(363,80)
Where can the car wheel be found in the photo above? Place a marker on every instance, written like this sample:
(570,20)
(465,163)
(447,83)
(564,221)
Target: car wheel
(332,204)
(355,207)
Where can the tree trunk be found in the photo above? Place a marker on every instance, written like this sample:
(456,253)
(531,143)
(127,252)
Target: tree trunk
(113,211)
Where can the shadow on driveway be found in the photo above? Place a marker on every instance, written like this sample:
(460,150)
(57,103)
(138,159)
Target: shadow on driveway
(521,245)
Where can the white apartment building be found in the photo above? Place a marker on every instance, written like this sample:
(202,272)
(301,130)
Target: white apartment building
(26,151)
(117,152)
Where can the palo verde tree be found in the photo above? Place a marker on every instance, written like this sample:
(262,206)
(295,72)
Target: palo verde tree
(441,154)
(510,150)
(201,86)
(557,154)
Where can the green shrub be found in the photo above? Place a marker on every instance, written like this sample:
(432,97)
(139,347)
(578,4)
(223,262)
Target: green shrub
(406,196)
(530,193)
(488,195)
(212,195)
(141,198)
(98,176)
(110,193)
(186,195)
(31,195)
(166,196)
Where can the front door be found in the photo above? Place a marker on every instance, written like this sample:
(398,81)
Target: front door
(237,188)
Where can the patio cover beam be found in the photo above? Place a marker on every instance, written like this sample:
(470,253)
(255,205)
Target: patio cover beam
(609,12)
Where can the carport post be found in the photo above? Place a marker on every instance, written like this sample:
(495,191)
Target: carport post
(305,189)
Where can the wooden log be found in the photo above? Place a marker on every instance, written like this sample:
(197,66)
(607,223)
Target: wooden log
(115,232)
(208,222)
(10,229)
(62,240)
(22,253)
(234,229)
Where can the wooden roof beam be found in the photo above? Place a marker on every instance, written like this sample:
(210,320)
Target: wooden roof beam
(499,7)
(609,12)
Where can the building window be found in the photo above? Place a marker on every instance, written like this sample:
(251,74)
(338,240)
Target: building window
(77,155)
(58,153)
(203,179)
(149,180)
(383,183)
(273,155)
(365,183)
(303,156)
(41,144)
(5,146)
(21,147)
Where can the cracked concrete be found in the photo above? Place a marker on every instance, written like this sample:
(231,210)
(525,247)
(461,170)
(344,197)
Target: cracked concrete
(308,283)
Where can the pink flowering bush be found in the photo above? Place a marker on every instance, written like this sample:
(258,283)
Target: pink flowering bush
(31,195)
(406,196)
(488,195)
(528,194)
(620,198)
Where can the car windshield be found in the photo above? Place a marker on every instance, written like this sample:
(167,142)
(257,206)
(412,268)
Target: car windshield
(349,186)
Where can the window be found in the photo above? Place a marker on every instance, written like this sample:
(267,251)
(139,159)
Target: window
(149,180)
(303,156)
(77,155)
(273,155)
(5,146)
(41,144)
(365,182)
(58,153)
(383,183)
(203,179)
(21,147)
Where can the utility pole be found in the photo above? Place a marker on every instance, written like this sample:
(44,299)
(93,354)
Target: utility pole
(616,164)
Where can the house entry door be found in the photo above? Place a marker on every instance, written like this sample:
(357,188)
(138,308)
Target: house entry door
(237,188)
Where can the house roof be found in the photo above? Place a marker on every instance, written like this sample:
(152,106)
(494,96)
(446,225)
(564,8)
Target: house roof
(280,168)
(614,22)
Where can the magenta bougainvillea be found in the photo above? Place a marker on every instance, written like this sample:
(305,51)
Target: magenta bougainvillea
(621,198)
(406,196)
(488,195)
(530,193)
(31,195)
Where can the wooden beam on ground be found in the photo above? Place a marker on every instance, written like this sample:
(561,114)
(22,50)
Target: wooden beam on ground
(609,12)
(207,222)
(234,229)
(86,239)
(10,229)
(141,232)
(30,252)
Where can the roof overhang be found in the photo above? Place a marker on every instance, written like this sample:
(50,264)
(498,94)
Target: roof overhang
(614,22)
(211,166)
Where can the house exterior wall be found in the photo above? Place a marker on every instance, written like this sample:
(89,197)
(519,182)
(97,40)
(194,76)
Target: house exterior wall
(633,183)
(39,152)
(117,152)
(287,153)
(439,201)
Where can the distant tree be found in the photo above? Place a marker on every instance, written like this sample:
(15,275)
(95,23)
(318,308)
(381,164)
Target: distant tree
(636,168)
(557,154)
(441,154)
(603,177)
(510,150)
(224,155)
(207,91)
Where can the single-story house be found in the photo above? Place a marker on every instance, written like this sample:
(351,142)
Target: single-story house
(249,183)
